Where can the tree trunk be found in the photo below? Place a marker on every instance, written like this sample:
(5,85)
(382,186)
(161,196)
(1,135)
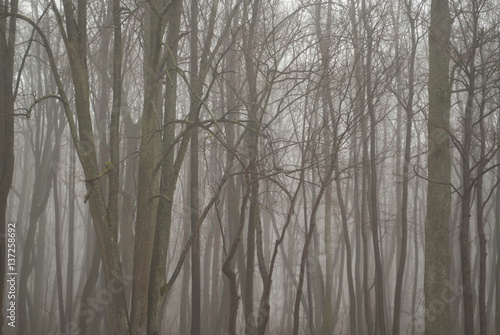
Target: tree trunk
(483,326)
(7,47)
(437,254)
(406,177)
(148,179)
(305,250)
(169,175)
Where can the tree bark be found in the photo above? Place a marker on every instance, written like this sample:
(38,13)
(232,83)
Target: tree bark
(148,177)
(7,47)
(437,254)
(406,176)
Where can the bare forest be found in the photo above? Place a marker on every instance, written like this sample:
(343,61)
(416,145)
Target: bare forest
(228,167)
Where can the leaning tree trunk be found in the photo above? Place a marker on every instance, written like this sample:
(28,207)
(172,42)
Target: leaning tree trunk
(148,179)
(406,177)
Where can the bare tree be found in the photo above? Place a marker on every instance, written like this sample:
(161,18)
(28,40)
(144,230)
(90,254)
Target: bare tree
(437,259)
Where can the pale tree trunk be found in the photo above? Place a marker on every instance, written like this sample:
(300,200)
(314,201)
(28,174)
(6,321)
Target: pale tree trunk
(75,38)
(264,308)
(232,197)
(249,43)
(362,244)
(437,253)
(305,251)
(169,175)
(184,318)
(44,173)
(71,237)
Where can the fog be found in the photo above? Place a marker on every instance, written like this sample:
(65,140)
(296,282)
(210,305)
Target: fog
(250,167)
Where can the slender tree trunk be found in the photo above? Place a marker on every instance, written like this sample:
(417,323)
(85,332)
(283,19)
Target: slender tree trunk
(185,318)
(252,144)
(193,175)
(169,175)
(71,238)
(228,270)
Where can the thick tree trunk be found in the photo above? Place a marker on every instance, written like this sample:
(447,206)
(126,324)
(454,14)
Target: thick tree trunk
(465,252)
(305,250)
(148,178)
(406,178)
(437,254)
(58,231)
(169,175)
(373,182)
(196,89)
(7,45)
(483,326)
